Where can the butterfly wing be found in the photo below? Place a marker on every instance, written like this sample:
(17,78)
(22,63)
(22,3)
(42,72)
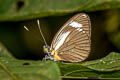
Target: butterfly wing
(72,42)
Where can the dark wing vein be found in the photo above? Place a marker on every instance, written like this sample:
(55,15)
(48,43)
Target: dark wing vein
(76,46)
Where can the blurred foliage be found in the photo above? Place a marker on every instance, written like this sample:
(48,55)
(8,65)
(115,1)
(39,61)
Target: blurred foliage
(113,26)
(29,9)
(14,14)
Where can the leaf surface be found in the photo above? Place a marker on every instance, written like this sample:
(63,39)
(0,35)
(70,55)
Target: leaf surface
(105,68)
(29,9)
(14,69)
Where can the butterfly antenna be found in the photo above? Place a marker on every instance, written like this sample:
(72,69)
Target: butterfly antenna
(41,32)
(32,35)
(26,28)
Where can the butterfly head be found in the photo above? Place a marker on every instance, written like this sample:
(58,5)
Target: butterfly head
(46,49)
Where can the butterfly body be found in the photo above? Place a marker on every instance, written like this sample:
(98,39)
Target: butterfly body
(52,54)
(73,40)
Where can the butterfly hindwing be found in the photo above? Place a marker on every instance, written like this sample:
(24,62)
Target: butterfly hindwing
(72,41)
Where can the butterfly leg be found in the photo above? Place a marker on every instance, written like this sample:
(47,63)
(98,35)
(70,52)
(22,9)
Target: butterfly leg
(47,57)
(44,59)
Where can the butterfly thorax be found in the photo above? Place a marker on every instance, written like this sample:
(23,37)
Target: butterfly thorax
(51,54)
(56,56)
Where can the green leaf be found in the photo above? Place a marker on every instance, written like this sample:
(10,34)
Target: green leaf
(28,70)
(107,67)
(108,63)
(14,69)
(4,52)
(29,9)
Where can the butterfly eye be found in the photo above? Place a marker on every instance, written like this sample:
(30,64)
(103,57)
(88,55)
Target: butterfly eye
(46,49)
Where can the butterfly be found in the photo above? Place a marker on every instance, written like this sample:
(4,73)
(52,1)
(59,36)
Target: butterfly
(72,42)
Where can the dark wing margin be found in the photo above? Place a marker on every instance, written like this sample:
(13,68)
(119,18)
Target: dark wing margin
(76,46)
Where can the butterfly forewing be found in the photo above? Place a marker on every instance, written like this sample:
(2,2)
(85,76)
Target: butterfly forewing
(72,42)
